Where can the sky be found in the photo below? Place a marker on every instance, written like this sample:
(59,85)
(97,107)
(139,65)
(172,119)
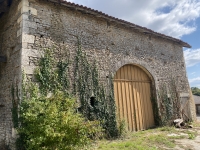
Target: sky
(176,18)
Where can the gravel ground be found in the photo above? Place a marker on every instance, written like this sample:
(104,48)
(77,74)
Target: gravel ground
(198,118)
(190,144)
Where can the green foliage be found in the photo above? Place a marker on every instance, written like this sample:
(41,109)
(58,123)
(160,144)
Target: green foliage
(88,88)
(155,111)
(122,128)
(48,117)
(195,91)
(152,139)
(52,75)
(52,123)
(170,107)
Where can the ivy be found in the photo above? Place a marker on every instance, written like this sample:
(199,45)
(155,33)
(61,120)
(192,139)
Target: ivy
(170,107)
(41,122)
(48,118)
(52,75)
(90,90)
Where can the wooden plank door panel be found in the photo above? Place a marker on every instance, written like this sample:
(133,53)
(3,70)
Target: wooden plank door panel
(132,96)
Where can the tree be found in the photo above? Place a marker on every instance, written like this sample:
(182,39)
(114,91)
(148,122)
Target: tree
(195,91)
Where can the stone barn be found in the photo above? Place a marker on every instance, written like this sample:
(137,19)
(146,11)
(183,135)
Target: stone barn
(147,67)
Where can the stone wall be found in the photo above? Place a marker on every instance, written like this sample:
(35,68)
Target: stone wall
(10,46)
(110,44)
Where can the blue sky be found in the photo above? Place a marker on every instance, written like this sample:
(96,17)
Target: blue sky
(176,18)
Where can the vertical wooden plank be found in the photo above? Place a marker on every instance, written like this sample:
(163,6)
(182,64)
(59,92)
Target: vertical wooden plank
(147,119)
(136,115)
(135,100)
(131,99)
(123,96)
(144,102)
(150,108)
(120,100)
(128,98)
(138,99)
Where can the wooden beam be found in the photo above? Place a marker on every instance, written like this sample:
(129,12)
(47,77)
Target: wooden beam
(3,59)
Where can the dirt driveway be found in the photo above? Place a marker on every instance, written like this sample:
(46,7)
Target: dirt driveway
(192,143)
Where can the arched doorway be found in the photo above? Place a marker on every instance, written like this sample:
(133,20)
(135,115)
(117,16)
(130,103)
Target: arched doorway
(133,97)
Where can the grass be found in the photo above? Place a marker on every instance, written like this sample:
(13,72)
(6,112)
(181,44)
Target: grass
(152,139)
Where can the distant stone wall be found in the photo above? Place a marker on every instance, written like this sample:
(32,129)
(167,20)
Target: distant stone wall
(36,24)
(110,44)
(10,74)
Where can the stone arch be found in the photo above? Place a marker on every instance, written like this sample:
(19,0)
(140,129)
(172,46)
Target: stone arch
(144,66)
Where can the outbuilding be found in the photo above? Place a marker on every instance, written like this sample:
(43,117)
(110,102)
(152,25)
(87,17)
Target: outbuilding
(148,68)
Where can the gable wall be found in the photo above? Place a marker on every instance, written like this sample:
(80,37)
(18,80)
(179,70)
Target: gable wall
(110,44)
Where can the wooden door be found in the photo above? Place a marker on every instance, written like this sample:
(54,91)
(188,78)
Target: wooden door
(133,97)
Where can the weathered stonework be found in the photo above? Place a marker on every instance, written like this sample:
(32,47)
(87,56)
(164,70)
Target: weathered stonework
(10,72)
(31,25)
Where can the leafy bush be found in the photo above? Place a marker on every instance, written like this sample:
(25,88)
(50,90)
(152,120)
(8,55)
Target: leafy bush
(52,123)
(48,117)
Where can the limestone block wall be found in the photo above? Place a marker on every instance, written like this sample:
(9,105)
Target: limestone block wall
(10,74)
(112,45)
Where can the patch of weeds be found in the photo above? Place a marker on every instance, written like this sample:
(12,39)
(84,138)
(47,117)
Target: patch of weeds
(167,128)
(161,140)
(151,139)
(191,136)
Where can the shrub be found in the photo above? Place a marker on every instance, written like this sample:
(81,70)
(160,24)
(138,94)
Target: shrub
(52,123)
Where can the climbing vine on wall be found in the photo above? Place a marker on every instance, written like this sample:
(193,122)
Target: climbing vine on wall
(170,107)
(96,100)
(52,75)
(96,103)
(48,117)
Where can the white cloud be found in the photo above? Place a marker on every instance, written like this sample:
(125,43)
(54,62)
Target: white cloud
(195,82)
(192,57)
(174,18)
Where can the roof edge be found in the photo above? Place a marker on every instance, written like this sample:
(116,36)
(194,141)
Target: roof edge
(120,21)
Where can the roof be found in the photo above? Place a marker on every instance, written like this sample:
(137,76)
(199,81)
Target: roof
(5,3)
(100,14)
(196,99)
